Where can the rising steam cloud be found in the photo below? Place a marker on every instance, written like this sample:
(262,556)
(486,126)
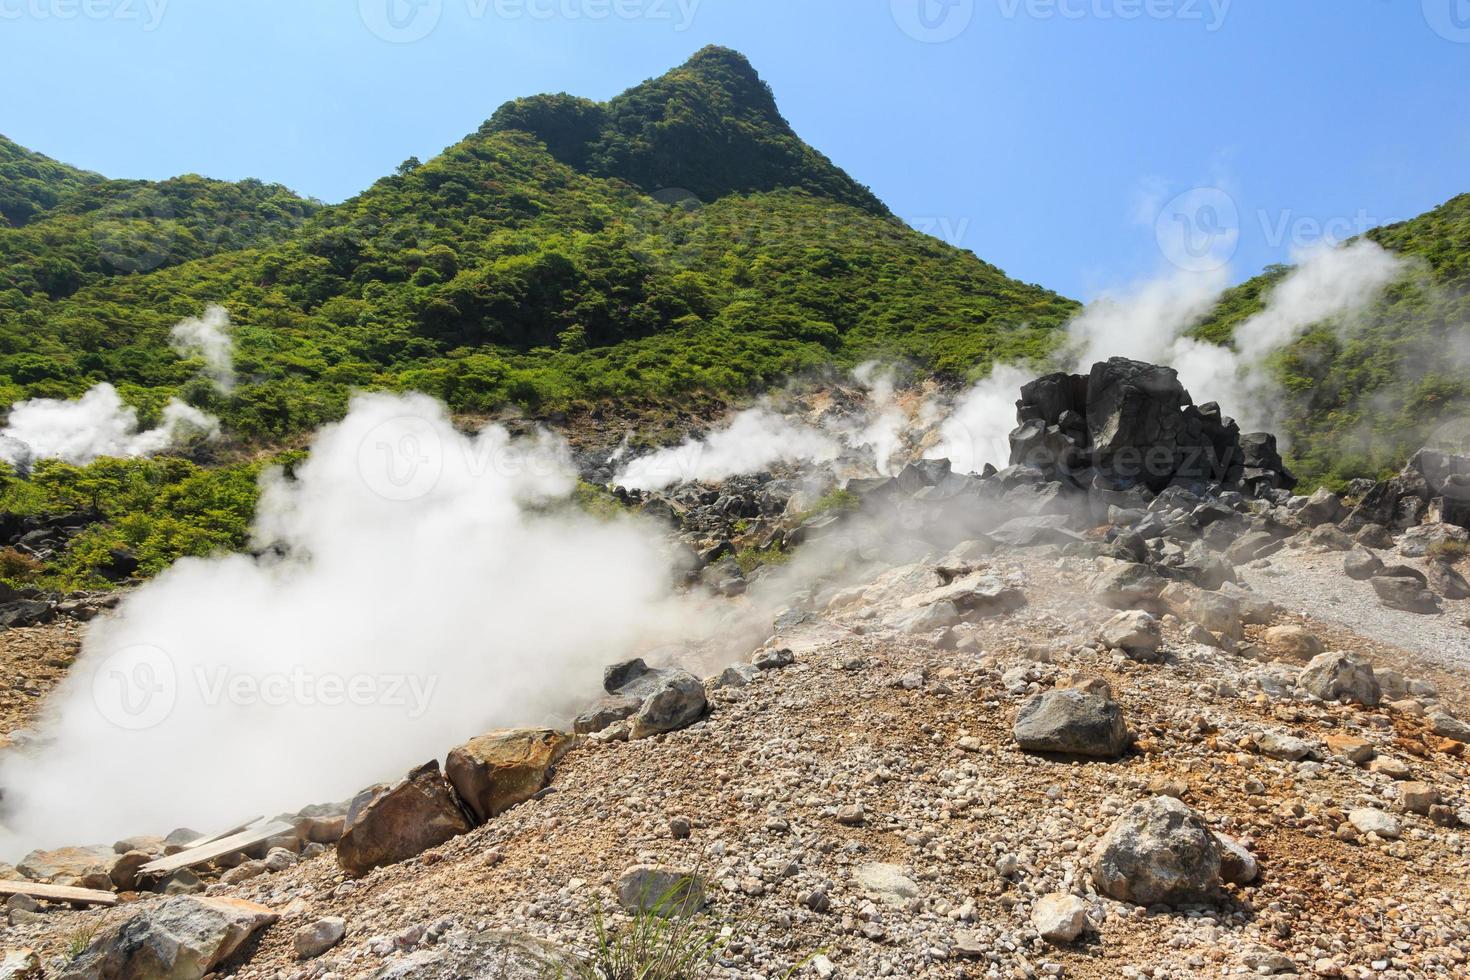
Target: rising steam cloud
(209,338)
(758,438)
(100,424)
(95,425)
(750,442)
(421,592)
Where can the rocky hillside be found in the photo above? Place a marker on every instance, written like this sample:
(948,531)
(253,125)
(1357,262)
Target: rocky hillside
(1127,707)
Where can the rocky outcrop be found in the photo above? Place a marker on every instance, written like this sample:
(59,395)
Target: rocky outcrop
(663,891)
(1341,677)
(667,699)
(492,953)
(1129,424)
(386,825)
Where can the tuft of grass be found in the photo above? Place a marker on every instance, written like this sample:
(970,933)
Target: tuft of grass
(80,938)
(750,559)
(834,500)
(597,501)
(1449,552)
(664,941)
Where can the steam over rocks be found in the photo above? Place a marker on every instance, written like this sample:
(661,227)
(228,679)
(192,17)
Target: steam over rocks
(925,766)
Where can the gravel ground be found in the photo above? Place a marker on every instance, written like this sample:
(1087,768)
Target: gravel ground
(1311,583)
(32,662)
(919,736)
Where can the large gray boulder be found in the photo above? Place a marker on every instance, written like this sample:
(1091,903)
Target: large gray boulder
(1341,677)
(1448,582)
(1126,585)
(386,825)
(677,702)
(82,867)
(664,891)
(1071,722)
(1418,542)
(662,700)
(1322,507)
(1158,853)
(1405,594)
(1360,564)
(1135,632)
(181,939)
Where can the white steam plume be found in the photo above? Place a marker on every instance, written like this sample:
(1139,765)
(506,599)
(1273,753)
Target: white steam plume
(1328,284)
(887,422)
(208,337)
(423,589)
(978,428)
(1149,322)
(97,424)
(750,442)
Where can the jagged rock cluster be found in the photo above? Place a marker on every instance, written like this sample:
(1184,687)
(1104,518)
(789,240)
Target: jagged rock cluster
(1129,424)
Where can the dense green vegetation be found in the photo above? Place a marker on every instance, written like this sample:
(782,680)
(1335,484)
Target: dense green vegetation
(501,273)
(157,509)
(31,183)
(123,227)
(1366,394)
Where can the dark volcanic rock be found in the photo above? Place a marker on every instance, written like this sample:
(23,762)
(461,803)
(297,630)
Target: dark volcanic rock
(1071,722)
(1132,424)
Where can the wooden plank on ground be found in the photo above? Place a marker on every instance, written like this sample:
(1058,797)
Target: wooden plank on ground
(58,893)
(211,838)
(225,845)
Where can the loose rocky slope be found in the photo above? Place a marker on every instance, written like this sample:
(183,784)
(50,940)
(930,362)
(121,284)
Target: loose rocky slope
(1049,721)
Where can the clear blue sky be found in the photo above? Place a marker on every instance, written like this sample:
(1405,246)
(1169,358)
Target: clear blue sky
(1046,135)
